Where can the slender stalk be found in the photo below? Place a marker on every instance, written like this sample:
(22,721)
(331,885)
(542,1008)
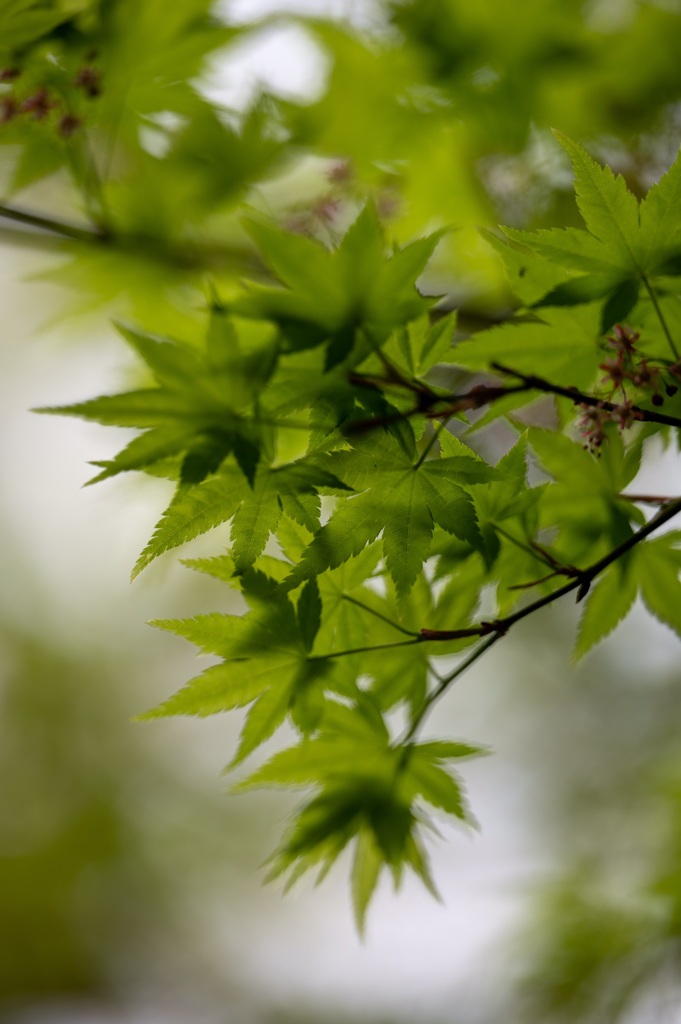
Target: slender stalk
(535,583)
(179,255)
(647,499)
(525,547)
(445,683)
(660,315)
(55,227)
(500,627)
(437,430)
(372,647)
(379,615)
(534,383)
(581,583)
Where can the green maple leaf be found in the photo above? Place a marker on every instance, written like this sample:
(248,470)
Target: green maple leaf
(24,21)
(506,509)
(328,295)
(358,618)
(652,570)
(561,345)
(660,222)
(624,245)
(658,570)
(345,624)
(419,346)
(255,509)
(508,515)
(193,511)
(203,405)
(267,664)
(152,53)
(584,501)
(607,604)
(401,497)
(368,790)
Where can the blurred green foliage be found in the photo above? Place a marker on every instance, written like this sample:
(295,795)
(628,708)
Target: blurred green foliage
(101,844)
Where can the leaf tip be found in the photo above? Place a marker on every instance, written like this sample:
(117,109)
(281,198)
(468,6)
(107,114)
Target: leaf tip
(137,569)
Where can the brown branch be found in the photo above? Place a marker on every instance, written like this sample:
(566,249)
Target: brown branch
(533,383)
(485,394)
(647,499)
(493,631)
(581,583)
(181,255)
(543,579)
(53,227)
(479,395)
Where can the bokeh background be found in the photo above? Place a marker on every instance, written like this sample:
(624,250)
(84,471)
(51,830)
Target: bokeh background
(130,888)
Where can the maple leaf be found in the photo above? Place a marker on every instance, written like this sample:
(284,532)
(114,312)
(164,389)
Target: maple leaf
(330,294)
(623,247)
(267,663)
(203,406)
(653,570)
(562,343)
(402,497)
(368,790)
(255,509)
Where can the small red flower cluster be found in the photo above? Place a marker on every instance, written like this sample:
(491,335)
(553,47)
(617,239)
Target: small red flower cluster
(595,418)
(323,215)
(625,368)
(40,103)
(320,216)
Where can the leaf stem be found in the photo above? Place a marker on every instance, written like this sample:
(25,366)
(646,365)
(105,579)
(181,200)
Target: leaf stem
(437,430)
(444,684)
(534,383)
(660,315)
(500,627)
(647,499)
(379,615)
(55,227)
(535,552)
(581,583)
(417,639)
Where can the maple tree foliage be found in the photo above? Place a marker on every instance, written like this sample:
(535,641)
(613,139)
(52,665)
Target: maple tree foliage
(324,411)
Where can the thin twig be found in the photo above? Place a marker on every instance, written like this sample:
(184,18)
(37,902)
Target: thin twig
(660,315)
(582,582)
(533,383)
(181,255)
(500,627)
(417,639)
(379,615)
(533,549)
(55,227)
(647,499)
(445,683)
(437,430)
